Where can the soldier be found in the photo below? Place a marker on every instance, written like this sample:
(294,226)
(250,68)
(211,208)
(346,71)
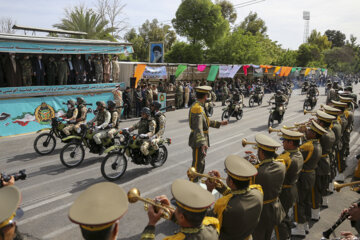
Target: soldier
(241,203)
(323,168)
(51,71)
(311,151)
(271,174)
(192,202)
(146,129)
(72,111)
(179,95)
(10,200)
(199,126)
(160,121)
(98,210)
(115,69)
(294,163)
(79,66)
(117,96)
(331,93)
(80,118)
(187,95)
(63,71)
(26,67)
(99,69)
(102,120)
(349,114)
(149,96)
(114,122)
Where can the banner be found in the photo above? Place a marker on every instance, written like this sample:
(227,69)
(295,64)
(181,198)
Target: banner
(228,71)
(276,71)
(140,68)
(201,68)
(162,100)
(213,72)
(155,72)
(180,69)
(31,114)
(156,52)
(245,69)
(307,71)
(267,67)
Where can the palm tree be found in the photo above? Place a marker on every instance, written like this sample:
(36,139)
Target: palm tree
(86,20)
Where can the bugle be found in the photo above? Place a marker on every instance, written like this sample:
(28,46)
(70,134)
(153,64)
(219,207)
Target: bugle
(134,196)
(271,130)
(338,186)
(192,173)
(307,112)
(244,142)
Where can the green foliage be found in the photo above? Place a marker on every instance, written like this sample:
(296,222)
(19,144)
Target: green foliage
(336,37)
(287,58)
(341,59)
(253,24)
(321,41)
(86,20)
(227,10)
(307,53)
(182,52)
(200,20)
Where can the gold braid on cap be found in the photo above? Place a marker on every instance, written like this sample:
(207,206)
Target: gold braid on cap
(6,222)
(266,148)
(316,130)
(237,177)
(324,119)
(191,209)
(290,137)
(96,228)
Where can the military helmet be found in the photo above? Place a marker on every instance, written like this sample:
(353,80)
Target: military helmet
(156,105)
(111,104)
(101,103)
(278,91)
(71,102)
(80,100)
(146,110)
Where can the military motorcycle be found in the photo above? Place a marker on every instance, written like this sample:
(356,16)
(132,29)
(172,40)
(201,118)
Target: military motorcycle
(277,113)
(115,163)
(255,97)
(309,103)
(73,153)
(233,109)
(304,89)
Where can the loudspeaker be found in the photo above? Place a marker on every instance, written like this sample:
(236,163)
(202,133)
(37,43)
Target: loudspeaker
(172,79)
(132,82)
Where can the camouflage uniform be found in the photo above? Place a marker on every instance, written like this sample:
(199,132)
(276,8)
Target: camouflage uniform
(27,71)
(99,70)
(160,120)
(114,124)
(102,120)
(145,126)
(80,119)
(63,72)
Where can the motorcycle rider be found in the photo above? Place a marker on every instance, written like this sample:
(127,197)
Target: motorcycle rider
(72,111)
(237,98)
(312,92)
(146,129)
(80,117)
(160,121)
(280,100)
(102,120)
(114,122)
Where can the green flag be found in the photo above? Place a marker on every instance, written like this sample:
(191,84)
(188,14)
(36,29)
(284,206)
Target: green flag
(180,69)
(213,72)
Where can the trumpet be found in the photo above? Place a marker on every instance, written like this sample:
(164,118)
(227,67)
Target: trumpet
(134,196)
(312,113)
(289,128)
(192,173)
(271,130)
(338,186)
(244,142)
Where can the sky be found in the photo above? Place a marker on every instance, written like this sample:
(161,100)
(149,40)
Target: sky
(283,18)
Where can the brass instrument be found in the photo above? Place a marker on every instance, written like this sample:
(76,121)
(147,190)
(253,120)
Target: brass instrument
(244,142)
(192,173)
(271,130)
(312,113)
(338,186)
(134,196)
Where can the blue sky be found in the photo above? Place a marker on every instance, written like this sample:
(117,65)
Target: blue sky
(283,17)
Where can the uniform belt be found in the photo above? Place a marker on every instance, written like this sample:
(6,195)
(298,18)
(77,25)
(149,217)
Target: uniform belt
(203,131)
(309,171)
(286,186)
(325,155)
(269,201)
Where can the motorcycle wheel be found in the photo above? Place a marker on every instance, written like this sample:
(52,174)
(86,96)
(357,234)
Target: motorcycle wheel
(239,115)
(271,120)
(307,105)
(225,115)
(72,154)
(161,157)
(251,102)
(113,166)
(210,111)
(44,144)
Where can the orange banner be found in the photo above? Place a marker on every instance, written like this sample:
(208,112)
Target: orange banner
(288,71)
(282,72)
(140,68)
(266,67)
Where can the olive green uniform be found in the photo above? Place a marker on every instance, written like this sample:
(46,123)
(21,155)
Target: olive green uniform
(346,136)
(27,72)
(145,126)
(149,98)
(102,120)
(63,72)
(242,209)
(311,151)
(289,194)
(271,175)
(336,128)
(199,136)
(99,70)
(160,120)
(341,153)
(179,95)
(80,119)
(114,124)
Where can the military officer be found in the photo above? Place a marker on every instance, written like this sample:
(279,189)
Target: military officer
(10,200)
(192,203)
(322,171)
(199,126)
(311,151)
(160,121)
(114,121)
(331,94)
(241,203)
(294,163)
(27,72)
(80,118)
(271,175)
(102,120)
(72,111)
(179,95)
(63,71)
(350,119)
(98,209)
(99,69)
(149,96)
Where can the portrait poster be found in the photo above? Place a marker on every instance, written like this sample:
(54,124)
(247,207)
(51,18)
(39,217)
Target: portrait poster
(156,52)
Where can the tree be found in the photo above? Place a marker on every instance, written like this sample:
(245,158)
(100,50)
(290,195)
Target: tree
(227,10)
(138,44)
(182,52)
(321,41)
(307,53)
(336,37)
(111,11)
(287,58)
(341,59)
(6,24)
(86,20)
(200,20)
(253,24)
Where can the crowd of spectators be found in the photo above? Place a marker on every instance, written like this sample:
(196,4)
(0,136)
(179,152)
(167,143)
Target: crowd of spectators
(39,70)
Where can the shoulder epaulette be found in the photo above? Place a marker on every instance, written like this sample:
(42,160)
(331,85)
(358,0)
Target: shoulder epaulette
(196,108)
(257,186)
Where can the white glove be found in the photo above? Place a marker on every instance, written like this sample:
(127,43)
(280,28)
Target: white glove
(143,135)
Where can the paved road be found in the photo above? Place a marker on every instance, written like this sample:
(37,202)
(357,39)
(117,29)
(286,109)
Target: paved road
(51,188)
